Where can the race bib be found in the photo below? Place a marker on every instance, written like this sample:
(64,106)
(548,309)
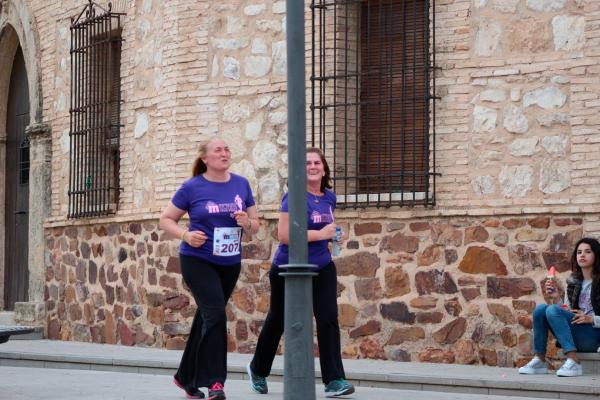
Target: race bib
(227,241)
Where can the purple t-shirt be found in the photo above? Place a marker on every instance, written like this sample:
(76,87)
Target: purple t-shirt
(319,213)
(211,205)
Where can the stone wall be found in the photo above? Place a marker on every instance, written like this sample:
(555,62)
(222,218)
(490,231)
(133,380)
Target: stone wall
(456,290)
(120,283)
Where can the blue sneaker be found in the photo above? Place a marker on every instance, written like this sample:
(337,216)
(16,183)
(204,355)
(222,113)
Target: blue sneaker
(257,383)
(338,387)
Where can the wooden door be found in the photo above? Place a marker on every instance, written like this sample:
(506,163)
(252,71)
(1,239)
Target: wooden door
(16,277)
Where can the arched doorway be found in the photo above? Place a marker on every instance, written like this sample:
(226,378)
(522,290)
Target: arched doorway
(16,273)
(22,273)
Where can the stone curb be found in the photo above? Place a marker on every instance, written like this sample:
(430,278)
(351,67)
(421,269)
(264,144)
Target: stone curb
(428,377)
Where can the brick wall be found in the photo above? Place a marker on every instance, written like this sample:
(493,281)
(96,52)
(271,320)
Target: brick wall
(515,125)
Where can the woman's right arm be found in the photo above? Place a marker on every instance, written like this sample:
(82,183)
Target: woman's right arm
(169,223)
(283,230)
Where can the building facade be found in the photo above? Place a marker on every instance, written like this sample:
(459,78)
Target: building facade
(463,137)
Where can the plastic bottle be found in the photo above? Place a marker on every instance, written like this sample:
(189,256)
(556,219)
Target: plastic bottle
(336,250)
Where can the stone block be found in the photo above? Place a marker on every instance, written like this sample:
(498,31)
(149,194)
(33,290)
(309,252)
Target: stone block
(397,311)
(362,264)
(430,255)
(368,288)
(502,313)
(370,328)
(451,332)
(476,234)
(346,315)
(370,348)
(434,281)
(424,302)
(437,356)
(400,243)
(30,313)
(409,334)
(509,287)
(482,260)
(367,228)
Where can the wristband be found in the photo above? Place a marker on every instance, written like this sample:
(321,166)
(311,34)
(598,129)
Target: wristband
(182,235)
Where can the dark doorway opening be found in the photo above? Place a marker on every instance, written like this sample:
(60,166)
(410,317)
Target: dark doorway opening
(16,275)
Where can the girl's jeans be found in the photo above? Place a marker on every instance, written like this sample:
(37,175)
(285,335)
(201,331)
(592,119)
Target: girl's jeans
(571,337)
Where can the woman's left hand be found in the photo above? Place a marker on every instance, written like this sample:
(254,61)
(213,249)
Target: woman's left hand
(581,318)
(343,238)
(242,219)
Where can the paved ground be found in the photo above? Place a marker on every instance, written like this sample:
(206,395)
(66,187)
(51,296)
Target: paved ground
(32,369)
(19,383)
(50,353)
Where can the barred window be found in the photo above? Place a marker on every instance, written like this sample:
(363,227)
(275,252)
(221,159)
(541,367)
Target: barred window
(24,160)
(372,110)
(95,112)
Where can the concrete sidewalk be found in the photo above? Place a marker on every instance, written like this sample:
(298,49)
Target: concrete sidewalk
(55,384)
(366,373)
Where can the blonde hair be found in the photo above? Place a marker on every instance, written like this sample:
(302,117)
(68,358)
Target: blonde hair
(199,167)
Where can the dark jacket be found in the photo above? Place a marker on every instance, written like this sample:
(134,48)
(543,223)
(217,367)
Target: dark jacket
(574,290)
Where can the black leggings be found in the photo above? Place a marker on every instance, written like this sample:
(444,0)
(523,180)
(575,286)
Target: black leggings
(326,314)
(204,359)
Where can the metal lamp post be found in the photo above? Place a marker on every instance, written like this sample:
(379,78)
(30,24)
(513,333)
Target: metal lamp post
(299,368)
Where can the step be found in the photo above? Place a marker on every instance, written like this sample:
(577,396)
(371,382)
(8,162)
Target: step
(7,318)
(590,362)
(6,331)
(363,373)
(36,334)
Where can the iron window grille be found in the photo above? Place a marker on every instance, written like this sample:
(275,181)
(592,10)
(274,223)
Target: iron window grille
(372,99)
(24,160)
(95,112)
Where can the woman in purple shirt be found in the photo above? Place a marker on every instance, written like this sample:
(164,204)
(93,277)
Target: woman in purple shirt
(221,207)
(321,228)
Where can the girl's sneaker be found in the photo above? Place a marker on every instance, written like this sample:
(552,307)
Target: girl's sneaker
(570,368)
(258,384)
(215,392)
(535,366)
(338,387)
(189,393)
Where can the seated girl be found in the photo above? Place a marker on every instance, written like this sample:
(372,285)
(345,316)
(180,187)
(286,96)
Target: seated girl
(574,321)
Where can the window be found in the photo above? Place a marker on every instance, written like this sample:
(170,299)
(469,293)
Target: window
(371,99)
(95,112)
(24,160)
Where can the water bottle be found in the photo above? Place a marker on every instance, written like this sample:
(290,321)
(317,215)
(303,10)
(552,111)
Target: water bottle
(335,251)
